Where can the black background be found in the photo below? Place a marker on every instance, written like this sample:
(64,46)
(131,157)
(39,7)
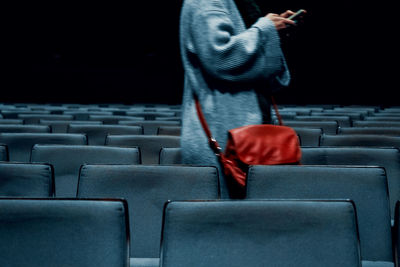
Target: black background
(128,52)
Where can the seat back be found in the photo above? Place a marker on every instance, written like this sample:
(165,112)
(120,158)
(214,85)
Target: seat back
(62,126)
(147,188)
(260,233)
(35,118)
(3,152)
(20,144)
(150,145)
(68,159)
(150,127)
(369,140)
(388,158)
(63,232)
(19,128)
(97,133)
(26,180)
(328,127)
(308,136)
(170,155)
(366,186)
(394,131)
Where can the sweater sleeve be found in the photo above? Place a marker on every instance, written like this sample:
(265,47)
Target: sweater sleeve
(252,55)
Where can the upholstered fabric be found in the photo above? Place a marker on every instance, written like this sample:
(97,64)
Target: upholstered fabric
(3,152)
(49,233)
(369,140)
(97,133)
(170,155)
(26,180)
(24,129)
(20,144)
(147,188)
(260,233)
(389,158)
(308,136)
(67,160)
(149,145)
(395,131)
(328,127)
(366,186)
(150,127)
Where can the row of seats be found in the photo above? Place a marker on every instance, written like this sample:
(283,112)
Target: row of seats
(146,189)
(99,165)
(66,232)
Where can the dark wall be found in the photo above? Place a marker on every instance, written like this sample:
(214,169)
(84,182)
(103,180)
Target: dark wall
(129,53)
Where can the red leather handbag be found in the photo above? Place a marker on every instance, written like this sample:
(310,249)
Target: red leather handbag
(262,144)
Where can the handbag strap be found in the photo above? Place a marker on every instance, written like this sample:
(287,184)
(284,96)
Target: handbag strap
(276,110)
(213,143)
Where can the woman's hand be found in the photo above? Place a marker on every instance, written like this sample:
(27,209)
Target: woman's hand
(281,20)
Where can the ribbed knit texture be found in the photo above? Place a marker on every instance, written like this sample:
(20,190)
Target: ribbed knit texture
(224,64)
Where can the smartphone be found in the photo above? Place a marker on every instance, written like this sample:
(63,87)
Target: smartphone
(297,15)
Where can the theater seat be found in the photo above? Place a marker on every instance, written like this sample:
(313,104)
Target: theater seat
(62,126)
(169,130)
(16,128)
(26,180)
(366,186)
(147,188)
(3,152)
(170,155)
(388,158)
(97,133)
(308,136)
(393,131)
(150,145)
(328,127)
(67,160)
(361,140)
(260,233)
(63,232)
(20,144)
(150,127)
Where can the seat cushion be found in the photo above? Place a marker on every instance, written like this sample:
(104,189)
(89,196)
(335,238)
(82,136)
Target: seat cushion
(144,262)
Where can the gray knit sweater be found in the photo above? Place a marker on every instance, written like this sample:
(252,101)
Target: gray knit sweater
(224,63)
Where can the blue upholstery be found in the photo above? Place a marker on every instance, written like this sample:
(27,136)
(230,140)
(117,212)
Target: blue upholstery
(62,126)
(20,144)
(35,118)
(113,119)
(376,124)
(369,140)
(150,127)
(389,158)
(308,136)
(147,188)
(394,131)
(170,155)
(67,160)
(260,233)
(343,121)
(150,145)
(97,133)
(26,180)
(63,232)
(3,152)
(366,186)
(19,128)
(328,127)
(396,233)
(169,130)
(11,121)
